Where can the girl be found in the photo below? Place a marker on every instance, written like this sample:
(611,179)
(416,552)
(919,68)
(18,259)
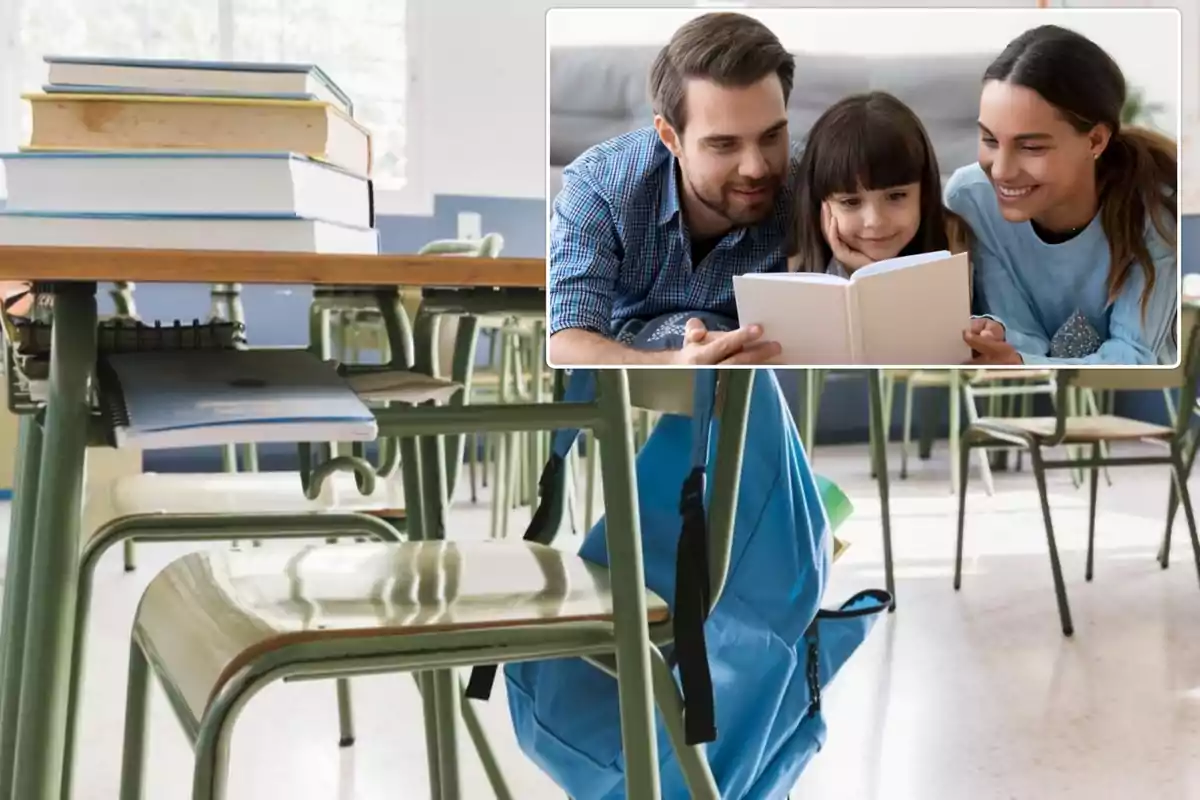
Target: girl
(868,189)
(1073,215)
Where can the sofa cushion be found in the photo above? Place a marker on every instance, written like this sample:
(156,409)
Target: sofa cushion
(597,93)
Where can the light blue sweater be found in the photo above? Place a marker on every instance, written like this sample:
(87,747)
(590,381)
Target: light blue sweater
(1033,287)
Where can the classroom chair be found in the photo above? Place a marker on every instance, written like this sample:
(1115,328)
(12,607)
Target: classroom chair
(1035,434)
(371,608)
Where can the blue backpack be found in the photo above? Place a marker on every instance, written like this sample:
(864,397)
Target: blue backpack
(754,668)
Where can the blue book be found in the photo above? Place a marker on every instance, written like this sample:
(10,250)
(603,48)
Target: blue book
(201,78)
(168,399)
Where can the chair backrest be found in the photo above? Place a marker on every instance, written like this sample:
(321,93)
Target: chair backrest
(488,246)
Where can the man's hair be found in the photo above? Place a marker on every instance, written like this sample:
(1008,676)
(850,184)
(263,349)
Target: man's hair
(729,49)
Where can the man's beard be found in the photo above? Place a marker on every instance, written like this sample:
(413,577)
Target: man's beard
(740,214)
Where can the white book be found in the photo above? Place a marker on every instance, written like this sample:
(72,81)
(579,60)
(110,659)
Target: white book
(165,232)
(177,182)
(908,311)
(165,399)
(207,78)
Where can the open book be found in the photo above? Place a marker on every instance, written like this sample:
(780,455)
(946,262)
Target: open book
(907,311)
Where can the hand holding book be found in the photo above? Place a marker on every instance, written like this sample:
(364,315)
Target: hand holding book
(985,337)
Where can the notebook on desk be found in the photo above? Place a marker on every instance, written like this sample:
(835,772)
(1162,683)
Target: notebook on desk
(163,400)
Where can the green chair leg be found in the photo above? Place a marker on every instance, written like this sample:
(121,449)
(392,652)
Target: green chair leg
(44,690)
(130,555)
(137,713)
(955,403)
(879,462)
(16,592)
(964,455)
(345,714)
(1179,475)
(473,466)
(593,467)
(430,718)
(483,748)
(635,696)
(1060,589)
(692,761)
(1094,481)
(1189,459)
(813,384)
(499,483)
(447,692)
(906,439)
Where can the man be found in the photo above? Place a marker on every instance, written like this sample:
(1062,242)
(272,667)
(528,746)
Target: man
(660,220)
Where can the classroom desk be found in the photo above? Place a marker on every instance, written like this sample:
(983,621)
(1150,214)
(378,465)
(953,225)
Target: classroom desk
(45,534)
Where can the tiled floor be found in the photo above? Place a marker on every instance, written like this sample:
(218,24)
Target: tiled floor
(962,695)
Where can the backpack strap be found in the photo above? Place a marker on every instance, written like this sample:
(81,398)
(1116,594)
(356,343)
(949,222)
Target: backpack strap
(693,592)
(580,388)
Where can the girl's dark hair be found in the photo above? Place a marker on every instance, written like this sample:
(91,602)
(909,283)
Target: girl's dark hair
(872,141)
(1135,175)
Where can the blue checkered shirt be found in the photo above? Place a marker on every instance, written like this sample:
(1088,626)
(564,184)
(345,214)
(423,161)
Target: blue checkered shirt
(620,249)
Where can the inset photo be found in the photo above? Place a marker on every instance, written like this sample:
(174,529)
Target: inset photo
(855,188)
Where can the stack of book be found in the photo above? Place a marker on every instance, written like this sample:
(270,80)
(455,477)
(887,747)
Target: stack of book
(191,155)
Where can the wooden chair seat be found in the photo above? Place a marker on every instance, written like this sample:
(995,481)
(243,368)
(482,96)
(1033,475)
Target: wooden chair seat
(1080,430)
(209,613)
(994,375)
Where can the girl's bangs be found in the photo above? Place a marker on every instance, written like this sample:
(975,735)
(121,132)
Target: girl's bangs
(869,154)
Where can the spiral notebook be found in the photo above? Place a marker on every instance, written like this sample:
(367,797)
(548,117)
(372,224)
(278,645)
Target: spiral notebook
(160,400)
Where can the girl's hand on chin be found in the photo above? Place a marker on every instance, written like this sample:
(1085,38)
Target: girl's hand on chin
(846,255)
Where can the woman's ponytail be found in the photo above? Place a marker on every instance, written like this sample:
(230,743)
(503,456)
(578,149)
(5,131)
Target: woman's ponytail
(1137,179)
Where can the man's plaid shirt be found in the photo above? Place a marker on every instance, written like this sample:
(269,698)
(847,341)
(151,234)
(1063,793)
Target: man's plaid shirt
(620,249)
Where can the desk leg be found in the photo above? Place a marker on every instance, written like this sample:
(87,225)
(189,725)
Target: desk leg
(462,370)
(440,688)
(879,460)
(55,566)
(16,593)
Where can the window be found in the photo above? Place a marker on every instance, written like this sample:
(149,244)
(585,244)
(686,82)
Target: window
(360,44)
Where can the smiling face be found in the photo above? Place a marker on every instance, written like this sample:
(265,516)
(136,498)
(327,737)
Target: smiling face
(733,152)
(1041,166)
(878,223)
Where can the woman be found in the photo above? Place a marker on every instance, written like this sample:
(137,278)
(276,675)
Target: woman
(1072,215)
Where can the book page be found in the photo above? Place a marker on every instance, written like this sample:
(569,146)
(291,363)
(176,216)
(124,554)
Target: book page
(914,314)
(809,318)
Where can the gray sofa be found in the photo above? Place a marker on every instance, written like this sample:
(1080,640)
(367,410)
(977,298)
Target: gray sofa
(600,92)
